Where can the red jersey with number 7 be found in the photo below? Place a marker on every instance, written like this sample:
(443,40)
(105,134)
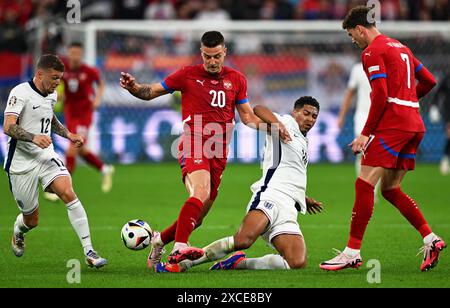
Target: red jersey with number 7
(213,96)
(388,58)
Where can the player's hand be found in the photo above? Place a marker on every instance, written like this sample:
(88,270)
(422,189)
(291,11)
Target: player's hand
(359,144)
(313,206)
(127,81)
(284,133)
(42,141)
(76,139)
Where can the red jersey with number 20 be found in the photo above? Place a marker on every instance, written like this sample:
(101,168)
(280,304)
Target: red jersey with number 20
(213,96)
(388,58)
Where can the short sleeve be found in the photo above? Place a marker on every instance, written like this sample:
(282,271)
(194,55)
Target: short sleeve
(353,80)
(242,96)
(15,103)
(373,64)
(175,81)
(95,75)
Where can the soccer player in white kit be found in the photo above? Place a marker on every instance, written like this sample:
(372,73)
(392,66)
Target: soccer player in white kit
(277,197)
(31,159)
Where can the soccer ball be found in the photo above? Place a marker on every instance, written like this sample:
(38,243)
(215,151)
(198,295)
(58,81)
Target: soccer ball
(136,234)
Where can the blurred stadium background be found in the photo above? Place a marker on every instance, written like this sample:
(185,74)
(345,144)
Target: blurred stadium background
(286,48)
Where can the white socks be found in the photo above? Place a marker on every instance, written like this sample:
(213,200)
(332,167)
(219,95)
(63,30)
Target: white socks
(429,238)
(213,252)
(20,226)
(267,262)
(351,252)
(78,219)
(220,248)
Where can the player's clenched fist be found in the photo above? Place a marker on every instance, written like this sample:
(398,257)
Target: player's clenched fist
(127,81)
(42,141)
(77,139)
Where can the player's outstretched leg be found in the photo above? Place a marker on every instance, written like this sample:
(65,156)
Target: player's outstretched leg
(393,193)
(362,212)
(78,218)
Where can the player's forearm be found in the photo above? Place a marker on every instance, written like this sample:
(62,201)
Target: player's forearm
(265,114)
(378,104)
(426,82)
(17,132)
(58,128)
(142,91)
(346,103)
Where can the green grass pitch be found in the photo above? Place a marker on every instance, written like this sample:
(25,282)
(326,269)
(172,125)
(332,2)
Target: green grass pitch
(155,193)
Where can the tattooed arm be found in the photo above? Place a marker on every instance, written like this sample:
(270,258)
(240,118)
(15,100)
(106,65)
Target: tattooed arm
(12,129)
(61,130)
(58,128)
(142,91)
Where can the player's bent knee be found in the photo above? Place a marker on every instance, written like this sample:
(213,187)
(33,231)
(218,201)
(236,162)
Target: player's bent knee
(67,195)
(297,263)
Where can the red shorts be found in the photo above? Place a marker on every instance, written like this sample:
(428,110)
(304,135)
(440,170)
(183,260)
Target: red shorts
(203,161)
(79,126)
(393,149)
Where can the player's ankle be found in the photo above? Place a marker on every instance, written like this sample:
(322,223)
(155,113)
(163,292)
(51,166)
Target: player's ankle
(350,252)
(178,246)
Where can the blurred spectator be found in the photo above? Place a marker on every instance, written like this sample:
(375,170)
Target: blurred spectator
(441,10)
(129,9)
(12,36)
(248,10)
(277,10)
(23,9)
(160,9)
(188,9)
(212,11)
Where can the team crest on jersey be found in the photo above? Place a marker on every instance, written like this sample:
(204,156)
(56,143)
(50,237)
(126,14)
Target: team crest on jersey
(83,76)
(268,205)
(12,101)
(227,84)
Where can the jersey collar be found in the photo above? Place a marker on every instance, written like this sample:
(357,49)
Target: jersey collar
(33,86)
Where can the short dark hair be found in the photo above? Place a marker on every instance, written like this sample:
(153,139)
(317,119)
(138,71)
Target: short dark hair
(48,61)
(212,39)
(306,100)
(358,16)
(76,44)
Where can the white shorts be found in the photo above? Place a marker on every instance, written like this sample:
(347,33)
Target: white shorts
(25,187)
(281,212)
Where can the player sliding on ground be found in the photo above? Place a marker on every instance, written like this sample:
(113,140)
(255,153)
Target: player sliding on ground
(390,138)
(210,93)
(29,121)
(273,208)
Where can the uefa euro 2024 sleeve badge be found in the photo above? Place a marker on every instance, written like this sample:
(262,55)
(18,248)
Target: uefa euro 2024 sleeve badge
(12,101)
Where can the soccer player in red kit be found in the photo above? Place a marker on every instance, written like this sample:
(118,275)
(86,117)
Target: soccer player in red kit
(390,137)
(210,93)
(80,101)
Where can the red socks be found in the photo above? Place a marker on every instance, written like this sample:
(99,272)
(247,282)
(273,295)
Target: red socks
(70,163)
(93,160)
(168,235)
(362,212)
(409,209)
(188,218)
